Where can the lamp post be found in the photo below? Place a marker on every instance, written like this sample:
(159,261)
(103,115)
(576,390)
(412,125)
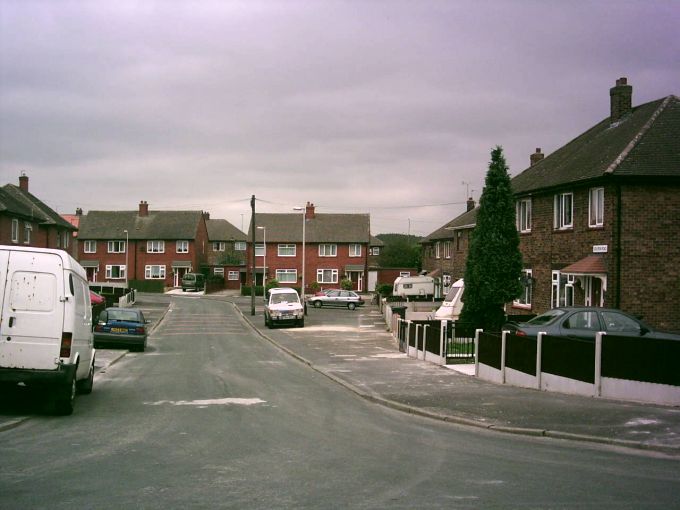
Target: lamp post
(127,250)
(264,260)
(304,214)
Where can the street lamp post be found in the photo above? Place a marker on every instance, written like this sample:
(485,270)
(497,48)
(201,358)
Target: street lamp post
(304,214)
(264,260)
(127,250)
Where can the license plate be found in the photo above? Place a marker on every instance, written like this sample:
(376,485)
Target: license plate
(119,330)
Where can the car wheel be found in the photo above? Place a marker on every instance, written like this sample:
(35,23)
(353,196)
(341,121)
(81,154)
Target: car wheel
(267,322)
(351,306)
(301,323)
(65,397)
(318,304)
(84,387)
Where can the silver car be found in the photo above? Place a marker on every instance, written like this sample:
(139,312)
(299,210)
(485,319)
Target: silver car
(333,297)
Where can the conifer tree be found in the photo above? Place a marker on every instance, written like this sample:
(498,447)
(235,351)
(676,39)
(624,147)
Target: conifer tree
(494,264)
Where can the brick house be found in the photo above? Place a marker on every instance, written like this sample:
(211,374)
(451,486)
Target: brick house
(444,251)
(27,221)
(336,247)
(155,245)
(599,218)
(227,252)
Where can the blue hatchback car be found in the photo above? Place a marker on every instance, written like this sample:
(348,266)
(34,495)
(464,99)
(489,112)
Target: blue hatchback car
(121,327)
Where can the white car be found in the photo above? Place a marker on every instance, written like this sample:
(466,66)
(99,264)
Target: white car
(283,306)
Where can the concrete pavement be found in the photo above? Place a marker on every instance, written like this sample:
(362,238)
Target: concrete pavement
(365,359)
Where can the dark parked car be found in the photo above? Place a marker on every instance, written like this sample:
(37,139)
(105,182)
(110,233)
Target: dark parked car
(193,281)
(344,298)
(585,322)
(121,326)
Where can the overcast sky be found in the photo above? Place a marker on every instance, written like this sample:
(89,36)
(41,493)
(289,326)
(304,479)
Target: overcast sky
(382,107)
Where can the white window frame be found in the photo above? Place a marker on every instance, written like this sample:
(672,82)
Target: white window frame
(115,247)
(564,211)
(259,250)
(240,245)
(596,207)
(154,272)
(182,246)
(524,300)
(233,276)
(562,289)
(28,228)
(404,273)
(219,271)
(155,246)
(447,250)
(286,275)
(328,250)
(122,270)
(321,273)
(375,250)
(15,230)
(219,246)
(355,250)
(437,250)
(65,242)
(523,215)
(287,250)
(89,246)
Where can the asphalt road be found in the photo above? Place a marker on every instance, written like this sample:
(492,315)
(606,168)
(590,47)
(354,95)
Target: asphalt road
(213,416)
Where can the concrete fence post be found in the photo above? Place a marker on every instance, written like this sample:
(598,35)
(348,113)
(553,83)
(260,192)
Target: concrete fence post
(539,354)
(477,332)
(598,363)
(425,340)
(442,336)
(504,336)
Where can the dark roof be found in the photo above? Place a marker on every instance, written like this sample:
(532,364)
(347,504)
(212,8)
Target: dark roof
(15,201)
(376,241)
(222,230)
(645,143)
(466,220)
(157,225)
(323,228)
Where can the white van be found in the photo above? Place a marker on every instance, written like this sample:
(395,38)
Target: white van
(45,323)
(452,305)
(408,286)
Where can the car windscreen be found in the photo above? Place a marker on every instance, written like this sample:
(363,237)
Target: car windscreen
(546,318)
(451,295)
(289,297)
(123,315)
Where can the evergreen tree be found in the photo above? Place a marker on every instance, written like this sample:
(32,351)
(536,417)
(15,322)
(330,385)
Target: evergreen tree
(494,264)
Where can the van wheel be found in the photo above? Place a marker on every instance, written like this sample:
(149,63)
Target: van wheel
(84,387)
(351,306)
(65,398)
(318,304)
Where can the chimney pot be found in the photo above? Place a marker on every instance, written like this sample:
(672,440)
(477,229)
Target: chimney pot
(79,212)
(23,182)
(143,208)
(536,156)
(621,99)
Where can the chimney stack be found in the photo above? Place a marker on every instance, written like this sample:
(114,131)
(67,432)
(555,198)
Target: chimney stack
(309,211)
(536,156)
(621,99)
(79,212)
(23,182)
(143,209)
(206,215)
(470,204)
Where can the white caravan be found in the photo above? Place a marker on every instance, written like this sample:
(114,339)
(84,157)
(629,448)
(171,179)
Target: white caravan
(453,304)
(45,323)
(410,286)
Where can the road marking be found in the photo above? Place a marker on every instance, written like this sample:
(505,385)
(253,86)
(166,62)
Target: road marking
(210,402)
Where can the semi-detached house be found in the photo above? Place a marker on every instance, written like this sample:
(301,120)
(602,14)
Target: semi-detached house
(27,221)
(599,219)
(118,246)
(336,248)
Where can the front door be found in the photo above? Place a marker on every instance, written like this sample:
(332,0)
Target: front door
(357,278)
(593,291)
